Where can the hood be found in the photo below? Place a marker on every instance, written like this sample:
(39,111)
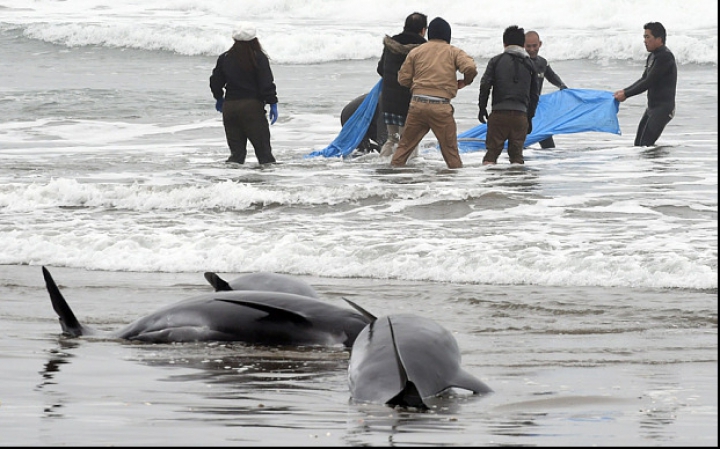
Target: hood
(396,47)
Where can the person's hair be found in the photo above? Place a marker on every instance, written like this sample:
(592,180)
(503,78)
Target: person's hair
(657,29)
(415,22)
(514,35)
(245,52)
(533,32)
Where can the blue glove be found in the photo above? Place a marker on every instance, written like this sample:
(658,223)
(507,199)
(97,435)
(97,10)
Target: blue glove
(273,113)
(218,104)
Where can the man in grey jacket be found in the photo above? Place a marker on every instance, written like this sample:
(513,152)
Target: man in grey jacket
(512,77)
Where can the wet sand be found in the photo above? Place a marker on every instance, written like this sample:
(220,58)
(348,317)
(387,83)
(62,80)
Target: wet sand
(617,370)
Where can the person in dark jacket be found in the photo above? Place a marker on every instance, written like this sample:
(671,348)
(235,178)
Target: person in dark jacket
(396,98)
(660,81)
(242,84)
(544,72)
(513,80)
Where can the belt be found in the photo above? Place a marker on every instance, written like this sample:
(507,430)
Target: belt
(509,112)
(433,100)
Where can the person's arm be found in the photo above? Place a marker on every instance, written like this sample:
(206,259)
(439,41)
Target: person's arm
(534,90)
(381,65)
(466,65)
(266,82)
(486,83)
(553,78)
(657,65)
(217,80)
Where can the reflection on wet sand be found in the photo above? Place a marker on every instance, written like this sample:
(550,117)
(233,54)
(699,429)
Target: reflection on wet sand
(58,357)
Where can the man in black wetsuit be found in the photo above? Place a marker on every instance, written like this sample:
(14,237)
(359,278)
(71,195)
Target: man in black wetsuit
(544,72)
(659,80)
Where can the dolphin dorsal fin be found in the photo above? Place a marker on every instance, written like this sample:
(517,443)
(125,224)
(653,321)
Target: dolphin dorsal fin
(409,396)
(218,283)
(362,311)
(70,324)
(273,311)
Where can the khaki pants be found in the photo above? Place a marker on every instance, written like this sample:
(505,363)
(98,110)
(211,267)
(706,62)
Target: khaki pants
(423,117)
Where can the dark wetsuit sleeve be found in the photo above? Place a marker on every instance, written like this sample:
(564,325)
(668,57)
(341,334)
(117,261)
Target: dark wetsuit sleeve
(657,66)
(553,78)
(266,81)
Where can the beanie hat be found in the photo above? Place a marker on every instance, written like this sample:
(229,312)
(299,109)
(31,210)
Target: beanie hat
(439,29)
(244,31)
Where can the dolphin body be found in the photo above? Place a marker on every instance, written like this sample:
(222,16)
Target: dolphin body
(273,282)
(404,359)
(254,317)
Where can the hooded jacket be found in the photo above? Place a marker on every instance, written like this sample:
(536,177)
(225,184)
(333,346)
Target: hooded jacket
(512,77)
(396,98)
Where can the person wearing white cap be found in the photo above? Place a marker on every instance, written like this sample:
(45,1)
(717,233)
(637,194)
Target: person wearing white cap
(242,83)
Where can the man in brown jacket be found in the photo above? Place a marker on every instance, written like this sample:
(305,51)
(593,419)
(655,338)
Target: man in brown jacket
(430,71)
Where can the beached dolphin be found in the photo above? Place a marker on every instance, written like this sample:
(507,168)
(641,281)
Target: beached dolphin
(273,282)
(404,359)
(255,317)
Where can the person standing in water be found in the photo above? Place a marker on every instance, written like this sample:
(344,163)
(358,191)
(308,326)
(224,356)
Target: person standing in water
(395,97)
(430,71)
(660,81)
(242,84)
(544,72)
(512,79)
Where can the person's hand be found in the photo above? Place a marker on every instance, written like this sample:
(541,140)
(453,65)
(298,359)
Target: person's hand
(620,95)
(273,113)
(483,115)
(461,83)
(219,104)
(529,130)
(563,87)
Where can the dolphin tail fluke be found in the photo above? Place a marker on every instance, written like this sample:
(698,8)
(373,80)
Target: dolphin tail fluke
(70,325)
(218,283)
(467,381)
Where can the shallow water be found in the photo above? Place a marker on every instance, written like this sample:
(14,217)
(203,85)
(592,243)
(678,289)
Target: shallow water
(581,287)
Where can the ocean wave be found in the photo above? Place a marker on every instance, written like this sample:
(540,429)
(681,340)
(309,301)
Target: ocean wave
(311,32)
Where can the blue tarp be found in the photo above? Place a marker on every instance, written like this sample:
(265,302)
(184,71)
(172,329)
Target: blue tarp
(354,129)
(564,111)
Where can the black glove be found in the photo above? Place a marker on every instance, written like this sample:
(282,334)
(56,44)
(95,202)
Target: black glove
(529,130)
(483,115)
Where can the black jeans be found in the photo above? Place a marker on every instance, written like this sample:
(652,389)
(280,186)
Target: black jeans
(245,120)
